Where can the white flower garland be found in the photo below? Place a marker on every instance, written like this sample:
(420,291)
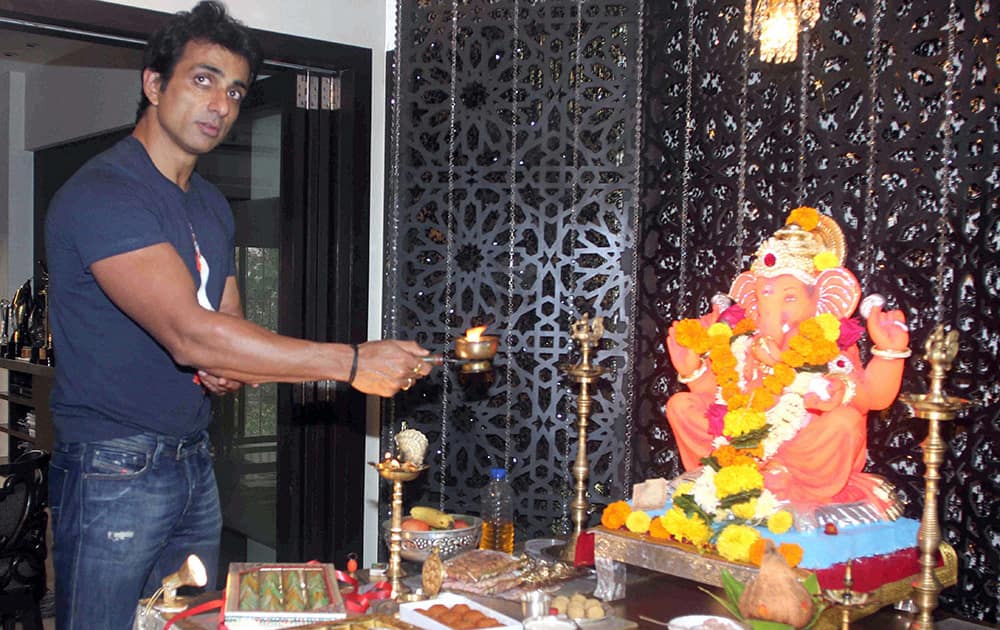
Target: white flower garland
(785,419)
(787,416)
(704,492)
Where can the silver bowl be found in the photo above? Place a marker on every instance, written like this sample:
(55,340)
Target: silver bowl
(416,546)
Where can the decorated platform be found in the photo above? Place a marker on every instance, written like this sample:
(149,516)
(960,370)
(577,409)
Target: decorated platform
(616,550)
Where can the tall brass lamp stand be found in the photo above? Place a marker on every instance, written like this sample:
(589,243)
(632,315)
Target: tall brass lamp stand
(391,470)
(587,335)
(935,407)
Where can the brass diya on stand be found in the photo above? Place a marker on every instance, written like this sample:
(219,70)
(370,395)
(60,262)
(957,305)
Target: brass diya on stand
(935,406)
(411,447)
(587,334)
(392,470)
(847,599)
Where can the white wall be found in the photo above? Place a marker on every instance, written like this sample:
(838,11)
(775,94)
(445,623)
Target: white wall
(356,22)
(16,219)
(365,23)
(99,100)
(16,198)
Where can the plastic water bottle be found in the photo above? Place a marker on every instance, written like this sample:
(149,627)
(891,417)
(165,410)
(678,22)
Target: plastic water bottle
(498,513)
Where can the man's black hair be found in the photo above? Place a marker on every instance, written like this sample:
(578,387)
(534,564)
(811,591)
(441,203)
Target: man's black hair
(207,22)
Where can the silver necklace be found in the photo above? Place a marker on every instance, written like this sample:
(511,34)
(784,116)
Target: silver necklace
(947,160)
(741,183)
(803,115)
(511,236)
(867,253)
(450,250)
(630,385)
(393,236)
(682,302)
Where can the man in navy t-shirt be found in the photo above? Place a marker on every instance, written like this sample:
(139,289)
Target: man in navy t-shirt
(148,321)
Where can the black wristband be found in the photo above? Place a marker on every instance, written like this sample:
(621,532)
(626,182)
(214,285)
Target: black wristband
(354,365)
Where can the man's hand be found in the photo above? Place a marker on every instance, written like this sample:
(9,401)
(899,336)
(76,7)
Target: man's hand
(217,385)
(386,367)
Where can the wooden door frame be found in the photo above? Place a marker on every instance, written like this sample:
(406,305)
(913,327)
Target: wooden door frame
(321,532)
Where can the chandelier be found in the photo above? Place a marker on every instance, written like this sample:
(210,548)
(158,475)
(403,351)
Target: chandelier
(776,24)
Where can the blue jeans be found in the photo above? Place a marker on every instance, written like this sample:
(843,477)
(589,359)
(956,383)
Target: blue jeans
(126,513)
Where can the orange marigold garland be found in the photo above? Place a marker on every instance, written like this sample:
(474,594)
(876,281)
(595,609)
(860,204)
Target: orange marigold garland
(691,334)
(757,550)
(805,217)
(615,514)
(791,552)
(657,530)
(744,327)
(729,455)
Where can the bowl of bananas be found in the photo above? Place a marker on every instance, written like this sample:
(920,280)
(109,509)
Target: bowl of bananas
(426,528)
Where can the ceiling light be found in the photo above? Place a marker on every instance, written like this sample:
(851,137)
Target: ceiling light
(776,25)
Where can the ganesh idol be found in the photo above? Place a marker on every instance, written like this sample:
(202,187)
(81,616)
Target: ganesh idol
(775,377)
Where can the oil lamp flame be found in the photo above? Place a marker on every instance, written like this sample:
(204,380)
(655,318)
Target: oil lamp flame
(473,334)
(476,349)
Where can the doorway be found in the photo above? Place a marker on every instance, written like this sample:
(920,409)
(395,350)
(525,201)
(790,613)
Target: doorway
(303,260)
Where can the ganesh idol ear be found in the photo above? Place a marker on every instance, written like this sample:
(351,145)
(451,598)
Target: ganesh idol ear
(838,292)
(744,291)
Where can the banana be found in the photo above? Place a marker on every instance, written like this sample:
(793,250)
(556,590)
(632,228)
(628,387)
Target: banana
(435,518)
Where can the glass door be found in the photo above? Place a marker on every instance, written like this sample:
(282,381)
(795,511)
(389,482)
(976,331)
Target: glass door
(247,167)
(290,170)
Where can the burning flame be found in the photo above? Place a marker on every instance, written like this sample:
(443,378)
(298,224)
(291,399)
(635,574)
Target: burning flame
(473,334)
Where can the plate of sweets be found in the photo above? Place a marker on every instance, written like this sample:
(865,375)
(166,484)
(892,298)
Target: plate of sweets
(281,595)
(580,607)
(449,611)
(703,622)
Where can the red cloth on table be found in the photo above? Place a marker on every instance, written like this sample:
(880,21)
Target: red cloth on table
(584,550)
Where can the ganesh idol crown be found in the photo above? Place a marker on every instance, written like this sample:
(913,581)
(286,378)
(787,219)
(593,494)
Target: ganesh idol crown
(774,420)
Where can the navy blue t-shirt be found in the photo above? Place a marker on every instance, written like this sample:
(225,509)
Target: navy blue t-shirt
(112,378)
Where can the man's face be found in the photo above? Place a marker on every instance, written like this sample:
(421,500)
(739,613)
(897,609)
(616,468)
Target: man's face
(198,106)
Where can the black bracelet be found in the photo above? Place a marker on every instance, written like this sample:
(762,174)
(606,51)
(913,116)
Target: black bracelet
(354,365)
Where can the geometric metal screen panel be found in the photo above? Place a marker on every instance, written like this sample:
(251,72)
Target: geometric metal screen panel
(525,248)
(860,137)
(728,145)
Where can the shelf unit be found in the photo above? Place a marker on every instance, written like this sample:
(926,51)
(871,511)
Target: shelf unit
(29,422)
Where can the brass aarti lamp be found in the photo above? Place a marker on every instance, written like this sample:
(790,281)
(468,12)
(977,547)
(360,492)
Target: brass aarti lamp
(476,349)
(587,335)
(935,406)
(474,352)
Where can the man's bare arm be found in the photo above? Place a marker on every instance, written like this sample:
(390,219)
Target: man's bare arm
(230,305)
(153,287)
